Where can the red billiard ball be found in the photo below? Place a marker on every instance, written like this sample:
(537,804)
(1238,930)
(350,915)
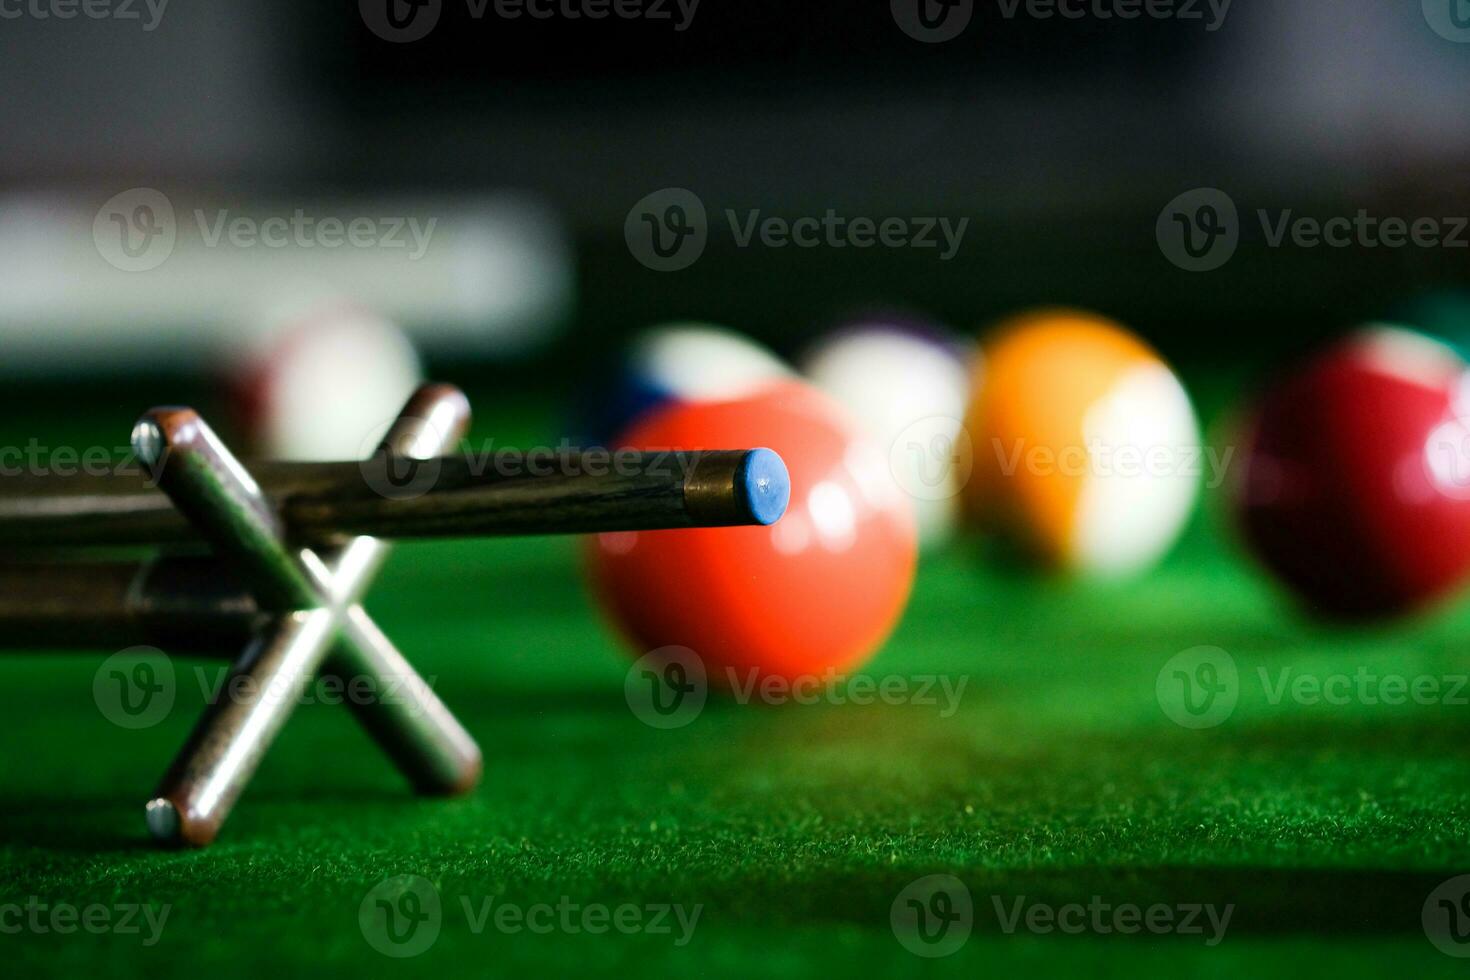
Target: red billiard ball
(1354,485)
(818,590)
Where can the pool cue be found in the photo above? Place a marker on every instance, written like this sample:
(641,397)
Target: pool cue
(195,604)
(505,493)
(514,494)
(314,597)
(182,604)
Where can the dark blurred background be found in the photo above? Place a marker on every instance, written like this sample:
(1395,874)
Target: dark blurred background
(1060,139)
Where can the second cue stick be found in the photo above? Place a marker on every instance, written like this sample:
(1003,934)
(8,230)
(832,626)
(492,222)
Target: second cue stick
(182,604)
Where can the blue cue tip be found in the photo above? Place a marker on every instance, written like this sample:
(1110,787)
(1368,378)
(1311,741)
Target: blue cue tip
(764,485)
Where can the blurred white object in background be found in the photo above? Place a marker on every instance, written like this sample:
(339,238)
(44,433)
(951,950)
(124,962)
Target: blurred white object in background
(148,279)
(908,385)
(1344,90)
(319,380)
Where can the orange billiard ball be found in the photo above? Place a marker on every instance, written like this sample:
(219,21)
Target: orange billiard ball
(1086,448)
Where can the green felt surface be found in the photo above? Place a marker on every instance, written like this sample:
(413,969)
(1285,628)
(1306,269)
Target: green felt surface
(1059,779)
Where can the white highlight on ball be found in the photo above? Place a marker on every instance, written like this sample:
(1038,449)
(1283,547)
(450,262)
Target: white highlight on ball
(909,395)
(1142,485)
(696,361)
(328,383)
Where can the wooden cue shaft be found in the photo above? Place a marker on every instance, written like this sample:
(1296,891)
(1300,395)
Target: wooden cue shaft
(183,604)
(505,493)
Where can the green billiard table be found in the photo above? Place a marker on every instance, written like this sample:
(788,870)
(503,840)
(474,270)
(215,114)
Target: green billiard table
(1306,805)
